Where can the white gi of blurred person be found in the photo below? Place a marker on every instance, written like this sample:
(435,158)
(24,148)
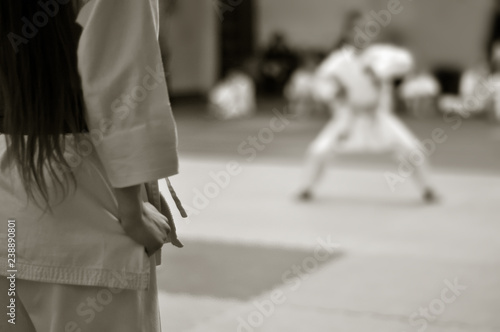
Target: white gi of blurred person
(358,85)
(234,97)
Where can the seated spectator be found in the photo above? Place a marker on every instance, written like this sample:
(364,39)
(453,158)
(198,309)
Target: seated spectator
(278,63)
(299,91)
(419,93)
(234,97)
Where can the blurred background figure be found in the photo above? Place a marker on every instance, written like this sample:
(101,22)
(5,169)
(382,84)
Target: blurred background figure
(494,80)
(361,97)
(299,91)
(478,90)
(233,97)
(419,93)
(278,63)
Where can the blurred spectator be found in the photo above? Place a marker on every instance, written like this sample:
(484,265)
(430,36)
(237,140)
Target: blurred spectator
(299,91)
(478,90)
(494,36)
(494,78)
(471,81)
(449,79)
(234,97)
(494,82)
(419,93)
(473,77)
(495,57)
(278,63)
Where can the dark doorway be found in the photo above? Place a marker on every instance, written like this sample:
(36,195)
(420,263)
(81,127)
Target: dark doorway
(237,36)
(494,34)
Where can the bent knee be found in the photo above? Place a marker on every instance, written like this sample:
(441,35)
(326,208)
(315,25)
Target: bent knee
(319,151)
(413,154)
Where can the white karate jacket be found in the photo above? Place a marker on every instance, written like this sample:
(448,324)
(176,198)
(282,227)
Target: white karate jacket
(135,139)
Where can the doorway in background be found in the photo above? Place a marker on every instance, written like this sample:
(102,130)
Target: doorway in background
(237,33)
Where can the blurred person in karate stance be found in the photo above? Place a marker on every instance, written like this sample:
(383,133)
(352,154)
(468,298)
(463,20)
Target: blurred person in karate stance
(357,84)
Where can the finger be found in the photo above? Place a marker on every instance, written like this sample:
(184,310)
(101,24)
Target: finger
(157,217)
(167,228)
(163,222)
(151,210)
(167,239)
(148,206)
(162,226)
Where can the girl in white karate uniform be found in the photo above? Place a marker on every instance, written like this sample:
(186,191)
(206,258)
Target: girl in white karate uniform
(86,123)
(358,87)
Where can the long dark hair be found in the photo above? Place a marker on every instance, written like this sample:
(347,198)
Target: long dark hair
(40,90)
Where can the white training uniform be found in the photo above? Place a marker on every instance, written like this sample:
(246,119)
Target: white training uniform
(80,251)
(358,89)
